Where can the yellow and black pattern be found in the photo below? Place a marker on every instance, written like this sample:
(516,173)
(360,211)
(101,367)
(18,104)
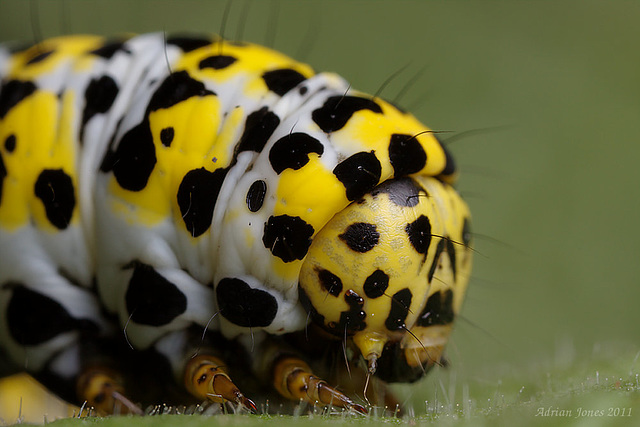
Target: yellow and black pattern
(194,191)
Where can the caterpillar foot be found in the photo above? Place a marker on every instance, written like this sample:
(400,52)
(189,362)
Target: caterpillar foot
(293,379)
(207,379)
(102,389)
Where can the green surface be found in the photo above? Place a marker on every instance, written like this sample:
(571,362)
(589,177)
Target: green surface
(553,87)
(603,390)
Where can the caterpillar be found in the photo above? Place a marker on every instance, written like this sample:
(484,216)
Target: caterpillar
(189,218)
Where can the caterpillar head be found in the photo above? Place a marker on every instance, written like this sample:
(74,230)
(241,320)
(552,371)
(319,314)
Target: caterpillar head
(389,273)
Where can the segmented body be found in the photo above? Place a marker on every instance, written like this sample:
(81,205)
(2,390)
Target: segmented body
(165,186)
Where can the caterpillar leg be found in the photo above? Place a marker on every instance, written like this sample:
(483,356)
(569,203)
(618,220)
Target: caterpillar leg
(206,378)
(103,390)
(293,379)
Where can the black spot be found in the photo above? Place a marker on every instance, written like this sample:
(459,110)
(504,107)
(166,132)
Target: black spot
(55,189)
(451,252)
(359,174)
(177,87)
(217,62)
(466,233)
(3,175)
(393,366)
(187,44)
(244,306)
(305,301)
(108,50)
(166,136)
(402,192)
(255,195)
(98,98)
(400,303)
(34,318)
(292,151)
(197,196)
(361,237)
(151,299)
(41,56)
(287,237)
(283,80)
(257,129)
(10,143)
(445,245)
(330,282)
(12,92)
(337,110)
(303,90)
(376,284)
(134,159)
(450,164)
(436,259)
(406,155)
(438,311)
(419,232)
(352,320)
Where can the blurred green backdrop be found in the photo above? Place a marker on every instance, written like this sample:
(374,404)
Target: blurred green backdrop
(551,93)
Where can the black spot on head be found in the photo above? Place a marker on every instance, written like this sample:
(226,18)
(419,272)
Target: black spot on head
(98,97)
(175,88)
(10,143)
(438,310)
(283,80)
(217,62)
(255,195)
(303,90)
(360,236)
(152,299)
(41,56)
(393,366)
(55,189)
(166,136)
(12,92)
(244,306)
(330,282)
(197,196)
(445,245)
(376,284)
(292,151)
(3,175)
(400,303)
(403,192)
(188,44)
(305,301)
(450,164)
(359,174)
(440,248)
(451,252)
(406,155)
(419,232)
(257,129)
(352,320)
(466,233)
(108,50)
(337,110)
(134,159)
(34,318)
(287,237)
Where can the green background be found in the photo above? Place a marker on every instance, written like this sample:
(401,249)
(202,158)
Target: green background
(549,95)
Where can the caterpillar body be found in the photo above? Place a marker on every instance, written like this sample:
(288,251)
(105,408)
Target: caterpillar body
(194,214)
